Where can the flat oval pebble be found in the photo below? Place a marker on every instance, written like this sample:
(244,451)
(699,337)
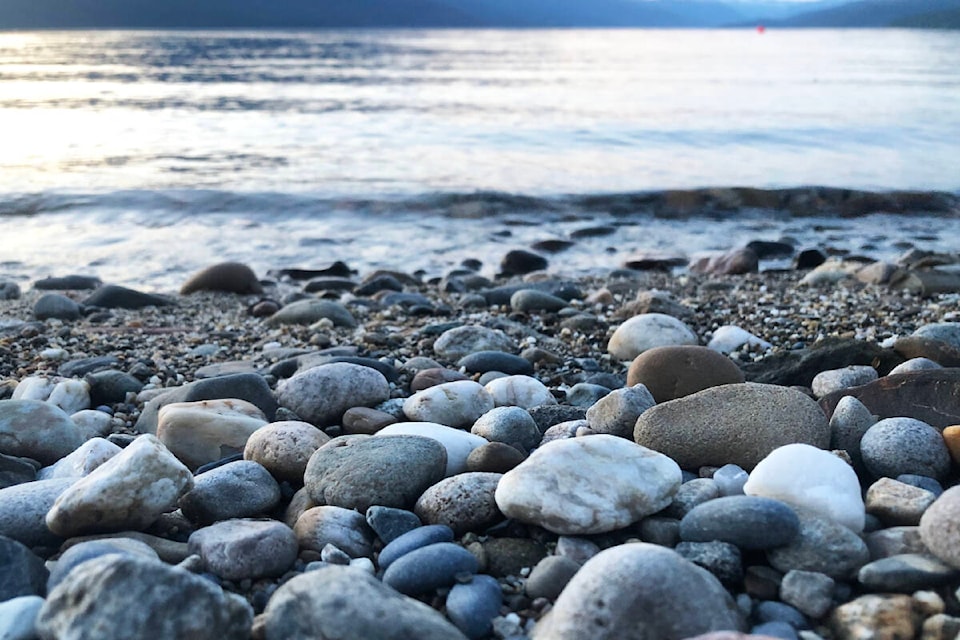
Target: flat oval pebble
(534,301)
(206,431)
(639,590)
(459,342)
(464,502)
(734,423)
(822,545)
(322,394)
(748,522)
(457,443)
(508,425)
(473,605)
(413,540)
(357,473)
(484,361)
(35,429)
(229,277)
(676,371)
(433,376)
(813,479)
(310,311)
(349,604)
(895,446)
(430,567)
(238,489)
(455,404)
(343,528)
(646,331)
(240,549)
(519,391)
(905,573)
(283,448)
(556,487)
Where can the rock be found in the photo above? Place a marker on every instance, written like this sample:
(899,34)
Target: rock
(464,502)
(484,361)
(18,616)
(229,277)
(240,549)
(646,331)
(813,479)
(508,425)
(344,603)
(730,480)
(109,386)
(533,301)
(875,616)
(511,557)
(57,306)
(93,424)
(458,444)
(810,592)
(556,486)
(940,527)
(64,283)
(729,338)
(914,364)
(585,394)
(722,559)
(23,511)
(111,296)
(87,550)
(905,574)
(357,473)
(460,342)
(827,382)
(129,491)
(70,395)
(283,448)
(931,396)
(343,528)
(914,347)
(37,430)
(733,262)
(519,391)
(494,457)
(428,568)
(433,376)
(896,503)
(14,471)
(748,522)
(639,590)
(365,421)
(652,260)
(310,311)
(617,413)
(850,420)
(895,446)
(927,283)
(87,457)
(118,597)
(518,262)
(321,395)
(798,368)
(550,576)
(412,540)
(241,386)
(33,388)
(455,404)
(21,572)
(689,495)
(824,546)
(389,523)
(677,371)
(895,541)
(206,431)
(735,423)
(240,489)
(948,332)
(549,415)
(473,605)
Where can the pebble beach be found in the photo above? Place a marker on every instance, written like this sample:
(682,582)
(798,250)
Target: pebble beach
(757,443)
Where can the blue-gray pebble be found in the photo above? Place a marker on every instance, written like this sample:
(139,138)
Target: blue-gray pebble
(389,523)
(429,568)
(413,540)
(775,630)
(730,479)
(750,522)
(484,361)
(473,605)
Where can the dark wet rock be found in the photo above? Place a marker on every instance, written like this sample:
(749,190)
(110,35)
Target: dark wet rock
(559,288)
(9,290)
(65,283)
(943,353)
(809,259)
(311,310)
(337,269)
(330,283)
(382,282)
(56,306)
(84,366)
(654,261)
(548,415)
(519,262)
(483,361)
(722,559)
(765,249)
(227,277)
(932,396)
(21,572)
(111,296)
(109,386)
(14,471)
(799,368)
(733,262)
(510,556)
(553,245)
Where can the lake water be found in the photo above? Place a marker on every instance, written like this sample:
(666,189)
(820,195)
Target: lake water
(140,155)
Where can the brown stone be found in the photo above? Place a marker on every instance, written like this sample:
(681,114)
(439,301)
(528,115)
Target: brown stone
(494,457)
(231,277)
(733,262)
(942,353)
(432,377)
(951,435)
(365,421)
(928,282)
(675,372)
(897,503)
(932,396)
(878,617)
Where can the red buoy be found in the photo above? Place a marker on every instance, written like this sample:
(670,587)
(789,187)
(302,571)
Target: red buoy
(761,28)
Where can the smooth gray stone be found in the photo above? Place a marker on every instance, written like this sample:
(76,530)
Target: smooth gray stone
(722,559)
(63,283)
(617,412)
(22,573)
(689,495)
(18,618)
(311,310)
(509,425)
(585,394)
(413,540)
(473,605)
(55,305)
(924,482)
(84,551)
(246,549)
(549,415)
(9,290)
(111,296)
(533,301)
(23,511)
(109,386)
(750,522)
(484,361)
(905,573)
(771,611)
(810,592)
(82,366)
(775,629)
(550,576)
(822,545)
(240,489)
(896,446)
(349,604)
(15,470)
(37,430)
(118,597)
(390,523)
(730,479)
(311,360)
(428,568)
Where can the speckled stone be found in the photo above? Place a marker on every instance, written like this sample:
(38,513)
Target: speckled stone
(940,527)
(509,425)
(238,489)
(895,446)
(824,546)
(37,430)
(343,528)
(616,413)
(239,549)
(896,503)
(283,448)
(464,502)
(321,395)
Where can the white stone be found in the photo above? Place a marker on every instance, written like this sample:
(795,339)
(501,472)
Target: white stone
(729,338)
(458,443)
(588,485)
(33,388)
(455,404)
(832,380)
(92,423)
(646,331)
(18,617)
(90,455)
(128,492)
(519,391)
(206,431)
(915,364)
(322,394)
(813,479)
(71,395)
(831,272)
(458,342)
